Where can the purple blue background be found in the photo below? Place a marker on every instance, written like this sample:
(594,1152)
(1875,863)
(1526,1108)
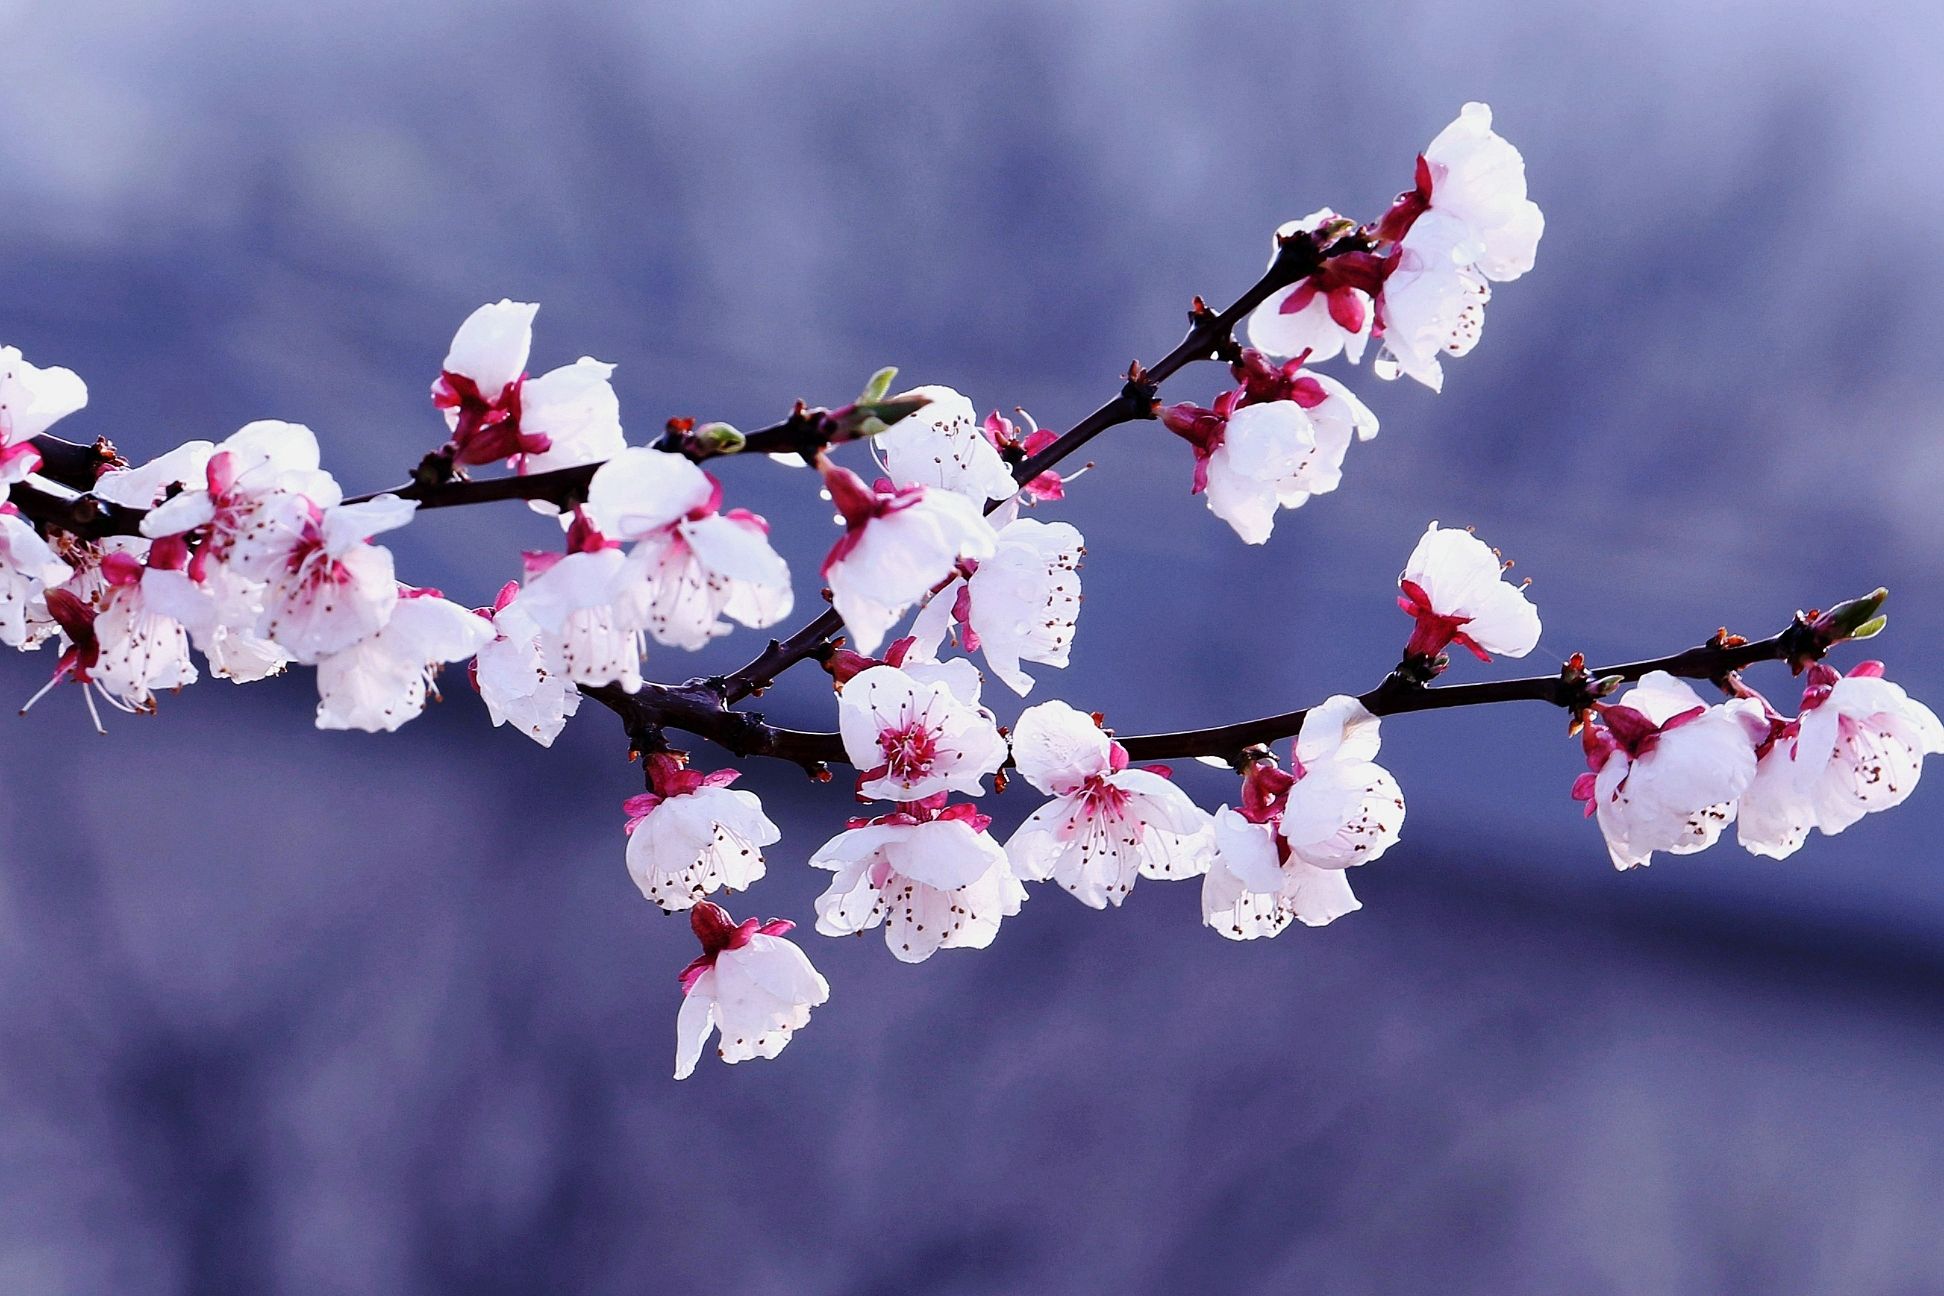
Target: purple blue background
(300,1012)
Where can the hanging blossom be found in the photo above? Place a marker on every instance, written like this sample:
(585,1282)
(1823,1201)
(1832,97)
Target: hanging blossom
(1330,312)
(696,565)
(140,648)
(945,447)
(380,682)
(912,740)
(1465,224)
(691,834)
(1454,589)
(31,401)
(749,984)
(1857,747)
(1665,770)
(331,586)
(564,417)
(515,679)
(1107,823)
(589,606)
(929,873)
(1282,854)
(898,542)
(1019,605)
(1273,442)
(114,642)
(29,567)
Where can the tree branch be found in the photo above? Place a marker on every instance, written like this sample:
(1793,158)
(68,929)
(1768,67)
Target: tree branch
(698,707)
(435,482)
(1211,336)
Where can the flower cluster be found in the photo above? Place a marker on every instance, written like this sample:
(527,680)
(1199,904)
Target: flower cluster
(247,552)
(1668,772)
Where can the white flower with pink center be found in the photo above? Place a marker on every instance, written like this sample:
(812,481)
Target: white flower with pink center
(588,606)
(515,679)
(1775,814)
(29,567)
(1282,856)
(697,564)
(221,611)
(913,740)
(1326,314)
(1466,221)
(1454,588)
(898,543)
(383,681)
(564,417)
(1273,442)
(692,834)
(1472,175)
(1861,744)
(750,986)
(141,649)
(331,586)
(1020,605)
(247,500)
(945,446)
(931,876)
(31,401)
(1433,303)
(1665,770)
(1107,823)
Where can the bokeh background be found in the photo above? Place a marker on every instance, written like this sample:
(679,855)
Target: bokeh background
(295,1012)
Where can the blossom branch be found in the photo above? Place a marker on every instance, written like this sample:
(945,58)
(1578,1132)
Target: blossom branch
(437,483)
(697,706)
(1210,336)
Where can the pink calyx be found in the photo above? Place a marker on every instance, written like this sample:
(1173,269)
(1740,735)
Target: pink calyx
(717,931)
(488,429)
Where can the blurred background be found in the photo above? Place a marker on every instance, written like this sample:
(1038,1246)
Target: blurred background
(300,1012)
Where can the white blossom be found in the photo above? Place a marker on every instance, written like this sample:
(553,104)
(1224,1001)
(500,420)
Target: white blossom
(382,681)
(221,612)
(32,400)
(1319,317)
(518,684)
(588,607)
(751,985)
(141,648)
(1665,769)
(1858,747)
(564,417)
(29,567)
(1107,824)
(1283,856)
(898,543)
(1278,454)
(943,445)
(939,883)
(1455,587)
(1019,605)
(250,500)
(332,588)
(1479,179)
(911,740)
(695,565)
(693,835)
